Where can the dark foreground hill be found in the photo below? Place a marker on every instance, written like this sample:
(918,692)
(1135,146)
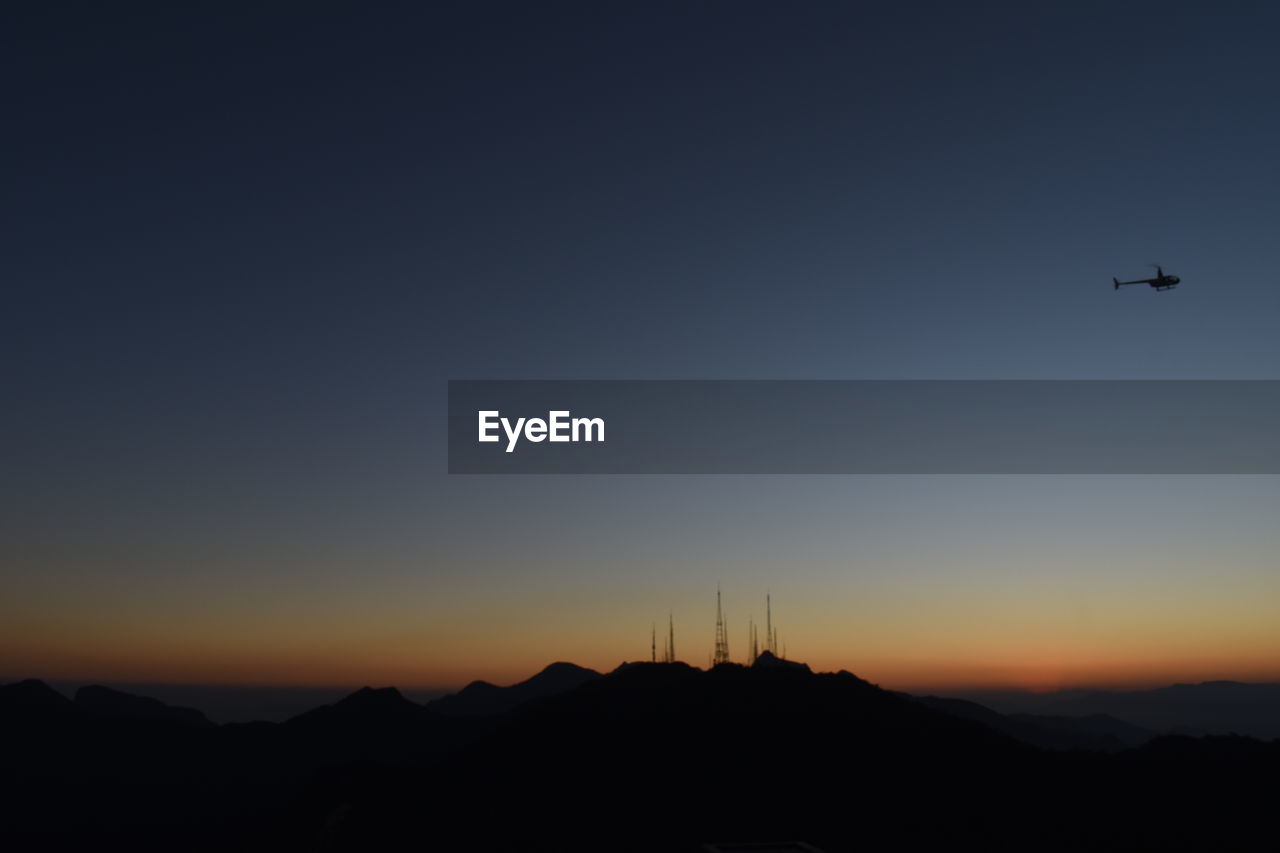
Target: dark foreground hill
(648,757)
(654,755)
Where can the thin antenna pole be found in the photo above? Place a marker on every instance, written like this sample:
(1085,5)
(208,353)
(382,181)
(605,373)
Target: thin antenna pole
(722,635)
(671,641)
(769,639)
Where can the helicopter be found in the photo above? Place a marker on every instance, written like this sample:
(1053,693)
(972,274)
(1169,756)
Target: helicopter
(1160,282)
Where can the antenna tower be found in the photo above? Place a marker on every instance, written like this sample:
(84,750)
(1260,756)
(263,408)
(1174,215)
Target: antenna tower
(770,638)
(722,635)
(670,656)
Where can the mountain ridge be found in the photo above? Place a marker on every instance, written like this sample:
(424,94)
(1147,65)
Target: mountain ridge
(481,697)
(773,750)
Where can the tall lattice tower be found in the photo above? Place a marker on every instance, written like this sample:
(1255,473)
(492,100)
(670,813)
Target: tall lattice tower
(722,635)
(669,654)
(770,636)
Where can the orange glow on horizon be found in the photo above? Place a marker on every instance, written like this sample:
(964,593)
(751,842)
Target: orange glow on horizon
(901,638)
(410,672)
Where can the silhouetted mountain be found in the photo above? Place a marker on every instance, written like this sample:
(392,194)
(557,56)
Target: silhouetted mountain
(481,697)
(767,660)
(1098,732)
(115,704)
(32,700)
(1213,707)
(368,725)
(668,751)
(244,703)
(1224,751)
(650,756)
(366,703)
(671,752)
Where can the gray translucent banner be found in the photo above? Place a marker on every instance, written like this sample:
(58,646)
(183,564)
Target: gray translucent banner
(864,427)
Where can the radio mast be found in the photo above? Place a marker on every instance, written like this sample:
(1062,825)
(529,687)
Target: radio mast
(722,635)
(670,656)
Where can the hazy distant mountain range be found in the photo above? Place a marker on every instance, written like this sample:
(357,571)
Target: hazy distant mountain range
(649,756)
(1212,707)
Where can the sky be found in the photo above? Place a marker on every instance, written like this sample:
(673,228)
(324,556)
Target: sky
(245,247)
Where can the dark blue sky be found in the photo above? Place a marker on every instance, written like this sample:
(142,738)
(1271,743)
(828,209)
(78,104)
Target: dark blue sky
(245,248)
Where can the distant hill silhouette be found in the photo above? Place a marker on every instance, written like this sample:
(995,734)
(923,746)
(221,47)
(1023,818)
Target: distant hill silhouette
(1212,707)
(32,700)
(115,704)
(367,703)
(481,697)
(767,660)
(1096,732)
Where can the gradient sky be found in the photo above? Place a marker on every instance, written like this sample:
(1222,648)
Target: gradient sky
(245,248)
